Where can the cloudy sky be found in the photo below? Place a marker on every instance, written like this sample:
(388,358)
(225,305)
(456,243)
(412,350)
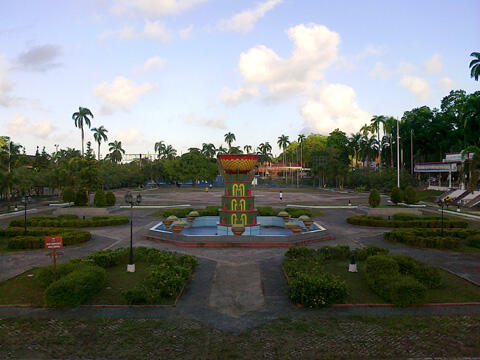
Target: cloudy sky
(188,71)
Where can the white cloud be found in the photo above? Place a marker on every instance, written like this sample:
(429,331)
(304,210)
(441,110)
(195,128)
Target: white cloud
(217,122)
(433,65)
(21,125)
(120,93)
(447,83)
(416,85)
(155,30)
(129,136)
(380,71)
(151,30)
(154,8)
(406,68)
(234,97)
(127,33)
(315,48)
(370,50)
(5,84)
(245,21)
(186,33)
(40,58)
(154,62)
(333,106)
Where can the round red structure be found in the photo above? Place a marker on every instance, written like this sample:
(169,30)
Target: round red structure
(241,164)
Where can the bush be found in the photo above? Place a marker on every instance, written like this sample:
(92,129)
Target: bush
(428,275)
(104,258)
(409,222)
(45,274)
(180,213)
(76,288)
(25,242)
(100,198)
(380,266)
(266,211)
(81,198)
(295,212)
(410,195)
(110,199)
(374,198)
(425,239)
(209,211)
(406,291)
(316,290)
(43,221)
(362,254)
(68,195)
(473,241)
(34,239)
(396,195)
(136,296)
(338,252)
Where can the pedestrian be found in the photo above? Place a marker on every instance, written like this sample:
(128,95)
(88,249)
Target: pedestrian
(281,196)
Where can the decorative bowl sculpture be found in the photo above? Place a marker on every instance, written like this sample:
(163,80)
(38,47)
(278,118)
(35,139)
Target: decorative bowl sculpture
(233,164)
(192,215)
(238,229)
(178,226)
(285,215)
(306,221)
(169,220)
(293,226)
(296,229)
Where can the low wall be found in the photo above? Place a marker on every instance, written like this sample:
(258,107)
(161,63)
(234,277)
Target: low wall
(87,212)
(392,211)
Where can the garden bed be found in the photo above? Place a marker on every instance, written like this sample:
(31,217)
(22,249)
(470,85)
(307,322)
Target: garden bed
(71,221)
(407,221)
(320,277)
(101,279)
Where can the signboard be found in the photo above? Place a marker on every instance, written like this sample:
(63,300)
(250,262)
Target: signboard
(53,242)
(436,167)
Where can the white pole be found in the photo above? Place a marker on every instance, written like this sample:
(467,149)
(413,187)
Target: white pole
(398,154)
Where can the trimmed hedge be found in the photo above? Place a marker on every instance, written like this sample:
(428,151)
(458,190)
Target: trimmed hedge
(34,238)
(68,195)
(419,223)
(81,198)
(431,238)
(473,241)
(266,211)
(397,195)
(76,288)
(43,221)
(374,198)
(410,195)
(100,198)
(110,199)
(297,212)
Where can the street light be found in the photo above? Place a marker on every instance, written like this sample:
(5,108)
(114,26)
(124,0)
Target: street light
(441,204)
(26,199)
(130,200)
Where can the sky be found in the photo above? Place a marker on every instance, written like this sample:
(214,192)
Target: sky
(186,72)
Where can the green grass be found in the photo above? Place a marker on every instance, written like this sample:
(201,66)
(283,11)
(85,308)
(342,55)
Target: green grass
(428,195)
(454,288)
(24,289)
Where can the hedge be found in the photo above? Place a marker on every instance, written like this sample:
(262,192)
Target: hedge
(431,238)
(110,199)
(68,195)
(81,198)
(266,211)
(76,288)
(34,238)
(374,198)
(43,221)
(100,198)
(473,241)
(296,212)
(420,223)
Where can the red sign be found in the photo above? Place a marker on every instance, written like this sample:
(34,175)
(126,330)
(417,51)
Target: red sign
(53,242)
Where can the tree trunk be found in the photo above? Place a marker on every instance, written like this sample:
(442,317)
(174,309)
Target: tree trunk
(99,151)
(82,140)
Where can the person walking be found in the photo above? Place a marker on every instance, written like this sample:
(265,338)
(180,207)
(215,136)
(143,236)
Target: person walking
(281,195)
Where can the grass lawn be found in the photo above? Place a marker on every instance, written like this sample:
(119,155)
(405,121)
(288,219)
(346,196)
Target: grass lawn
(454,288)
(317,337)
(24,289)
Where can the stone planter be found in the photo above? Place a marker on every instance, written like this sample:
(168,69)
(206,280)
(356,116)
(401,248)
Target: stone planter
(238,229)
(306,221)
(192,215)
(169,220)
(285,215)
(178,226)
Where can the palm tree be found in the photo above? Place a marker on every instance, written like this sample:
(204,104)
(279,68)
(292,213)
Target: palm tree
(301,137)
(283,143)
(208,150)
(116,151)
(375,126)
(264,152)
(221,150)
(390,129)
(235,150)
(229,138)
(159,148)
(99,134)
(354,144)
(475,66)
(365,129)
(247,148)
(81,116)
(169,152)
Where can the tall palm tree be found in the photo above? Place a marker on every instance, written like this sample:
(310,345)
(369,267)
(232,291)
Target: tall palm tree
(116,151)
(354,145)
(208,150)
(365,129)
(264,152)
(475,65)
(80,117)
(159,148)
(99,134)
(235,150)
(390,129)
(247,148)
(301,137)
(375,125)
(283,143)
(229,138)
(169,152)
(221,150)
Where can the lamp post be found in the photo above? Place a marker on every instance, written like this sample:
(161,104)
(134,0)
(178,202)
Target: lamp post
(130,200)
(441,204)
(26,199)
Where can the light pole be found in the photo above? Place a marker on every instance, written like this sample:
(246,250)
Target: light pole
(411,151)
(130,200)
(441,204)
(398,154)
(26,200)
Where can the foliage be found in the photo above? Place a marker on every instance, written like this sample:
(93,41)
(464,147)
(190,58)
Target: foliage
(96,221)
(81,198)
(374,198)
(34,238)
(266,211)
(110,199)
(473,241)
(410,195)
(209,211)
(297,212)
(68,195)
(403,222)
(397,195)
(385,179)
(100,198)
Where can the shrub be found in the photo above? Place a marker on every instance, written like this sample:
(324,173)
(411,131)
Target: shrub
(473,241)
(396,195)
(25,242)
(316,290)
(34,239)
(428,275)
(45,274)
(104,258)
(379,266)
(362,254)
(374,198)
(296,212)
(410,195)
(100,198)
(76,288)
(266,211)
(406,291)
(420,222)
(68,195)
(110,199)
(81,198)
(209,211)
(43,221)
(338,252)
(180,213)
(424,239)
(136,296)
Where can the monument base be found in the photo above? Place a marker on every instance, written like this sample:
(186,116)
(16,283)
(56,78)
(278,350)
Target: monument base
(249,230)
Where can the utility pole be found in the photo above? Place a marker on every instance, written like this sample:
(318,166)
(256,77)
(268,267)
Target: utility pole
(398,153)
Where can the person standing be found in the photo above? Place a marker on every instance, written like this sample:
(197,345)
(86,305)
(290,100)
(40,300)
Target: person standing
(281,195)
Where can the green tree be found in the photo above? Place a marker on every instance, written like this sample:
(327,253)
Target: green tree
(209,150)
(264,152)
(169,152)
(100,134)
(282,144)
(375,123)
(247,148)
(229,138)
(397,195)
(475,66)
(160,148)
(374,198)
(80,117)
(116,151)
(410,195)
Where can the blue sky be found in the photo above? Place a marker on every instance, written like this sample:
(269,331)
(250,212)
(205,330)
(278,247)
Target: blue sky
(187,72)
